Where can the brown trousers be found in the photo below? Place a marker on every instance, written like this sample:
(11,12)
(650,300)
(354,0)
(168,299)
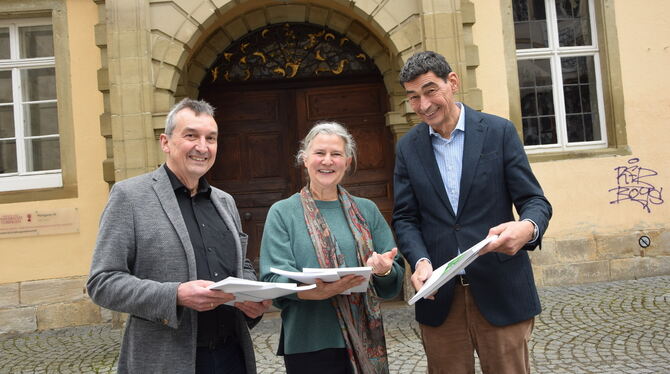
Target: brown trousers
(450,347)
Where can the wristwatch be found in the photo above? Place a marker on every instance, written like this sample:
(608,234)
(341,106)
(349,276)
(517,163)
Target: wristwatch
(535,230)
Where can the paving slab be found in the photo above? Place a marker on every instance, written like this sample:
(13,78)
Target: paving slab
(612,327)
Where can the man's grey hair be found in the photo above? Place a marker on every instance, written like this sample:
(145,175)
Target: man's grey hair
(197,106)
(328,128)
(422,63)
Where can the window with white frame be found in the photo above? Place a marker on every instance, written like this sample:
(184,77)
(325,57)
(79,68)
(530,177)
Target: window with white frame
(559,76)
(29,137)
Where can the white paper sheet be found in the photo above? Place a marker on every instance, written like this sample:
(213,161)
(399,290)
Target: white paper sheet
(249,290)
(449,270)
(310,275)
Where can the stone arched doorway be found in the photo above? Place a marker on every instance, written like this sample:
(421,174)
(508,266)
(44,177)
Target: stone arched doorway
(269,87)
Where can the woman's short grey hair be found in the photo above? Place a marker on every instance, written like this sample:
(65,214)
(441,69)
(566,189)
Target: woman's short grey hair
(328,128)
(197,106)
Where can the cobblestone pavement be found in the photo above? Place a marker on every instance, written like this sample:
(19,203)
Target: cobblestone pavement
(615,327)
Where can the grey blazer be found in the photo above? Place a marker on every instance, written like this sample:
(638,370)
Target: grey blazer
(142,254)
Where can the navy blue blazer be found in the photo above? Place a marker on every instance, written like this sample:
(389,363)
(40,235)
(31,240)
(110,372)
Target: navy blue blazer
(496,176)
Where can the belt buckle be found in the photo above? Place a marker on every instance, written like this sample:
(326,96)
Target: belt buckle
(463,280)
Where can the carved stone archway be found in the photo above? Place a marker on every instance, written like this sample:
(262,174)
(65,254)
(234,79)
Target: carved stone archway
(154,53)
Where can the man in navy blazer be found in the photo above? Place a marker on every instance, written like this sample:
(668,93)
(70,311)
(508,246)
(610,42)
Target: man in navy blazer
(457,176)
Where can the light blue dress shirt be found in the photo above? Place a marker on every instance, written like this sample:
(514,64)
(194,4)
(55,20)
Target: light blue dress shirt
(449,157)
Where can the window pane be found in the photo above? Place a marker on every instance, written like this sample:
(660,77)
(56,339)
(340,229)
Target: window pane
(530,25)
(41,119)
(528,102)
(38,84)
(545,101)
(6,121)
(36,41)
(43,154)
(4,43)
(537,102)
(581,101)
(574,28)
(548,130)
(6,86)
(531,131)
(7,156)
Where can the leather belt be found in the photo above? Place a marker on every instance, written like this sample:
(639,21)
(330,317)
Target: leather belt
(463,280)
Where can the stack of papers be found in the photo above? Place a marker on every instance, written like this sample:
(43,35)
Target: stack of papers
(449,270)
(310,275)
(249,290)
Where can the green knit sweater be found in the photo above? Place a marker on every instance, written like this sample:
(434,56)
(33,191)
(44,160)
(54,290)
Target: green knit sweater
(311,325)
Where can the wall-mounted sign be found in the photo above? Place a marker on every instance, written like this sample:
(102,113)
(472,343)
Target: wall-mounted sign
(39,222)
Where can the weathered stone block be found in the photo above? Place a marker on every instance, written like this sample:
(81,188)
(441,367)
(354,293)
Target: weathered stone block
(163,101)
(639,267)
(236,28)
(617,246)
(546,255)
(166,18)
(372,47)
(256,19)
(54,316)
(318,15)
(577,273)
(17,320)
(204,14)
(206,56)
(286,13)
(435,24)
(367,6)
(219,41)
(9,295)
(660,243)
(166,77)
(575,250)
(537,276)
(399,10)
(339,22)
(472,55)
(404,36)
(468,12)
(53,291)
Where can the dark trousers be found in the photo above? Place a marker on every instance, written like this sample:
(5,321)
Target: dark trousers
(325,361)
(225,358)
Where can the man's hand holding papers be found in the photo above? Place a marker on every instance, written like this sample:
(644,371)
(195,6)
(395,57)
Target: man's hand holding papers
(254,291)
(444,273)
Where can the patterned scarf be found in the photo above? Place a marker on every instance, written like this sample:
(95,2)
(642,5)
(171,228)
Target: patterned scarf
(359,314)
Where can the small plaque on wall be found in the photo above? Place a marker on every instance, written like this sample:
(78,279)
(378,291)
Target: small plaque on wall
(39,222)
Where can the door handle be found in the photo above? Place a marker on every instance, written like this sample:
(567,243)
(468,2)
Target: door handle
(247,216)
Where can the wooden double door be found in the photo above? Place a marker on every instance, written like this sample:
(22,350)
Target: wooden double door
(259,132)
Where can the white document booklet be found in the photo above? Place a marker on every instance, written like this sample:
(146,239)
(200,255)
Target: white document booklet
(310,275)
(249,290)
(449,270)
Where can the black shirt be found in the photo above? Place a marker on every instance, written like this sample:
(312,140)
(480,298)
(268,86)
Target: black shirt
(215,254)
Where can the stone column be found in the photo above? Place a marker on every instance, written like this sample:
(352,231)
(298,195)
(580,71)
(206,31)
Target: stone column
(130,87)
(448,31)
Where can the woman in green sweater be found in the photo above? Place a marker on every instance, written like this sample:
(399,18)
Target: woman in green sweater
(324,226)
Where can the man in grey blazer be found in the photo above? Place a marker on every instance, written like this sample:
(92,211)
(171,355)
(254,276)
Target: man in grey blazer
(458,175)
(164,237)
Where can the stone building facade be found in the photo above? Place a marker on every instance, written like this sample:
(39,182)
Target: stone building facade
(121,64)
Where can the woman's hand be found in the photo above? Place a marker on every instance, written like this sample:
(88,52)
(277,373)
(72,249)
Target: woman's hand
(325,290)
(382,263)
